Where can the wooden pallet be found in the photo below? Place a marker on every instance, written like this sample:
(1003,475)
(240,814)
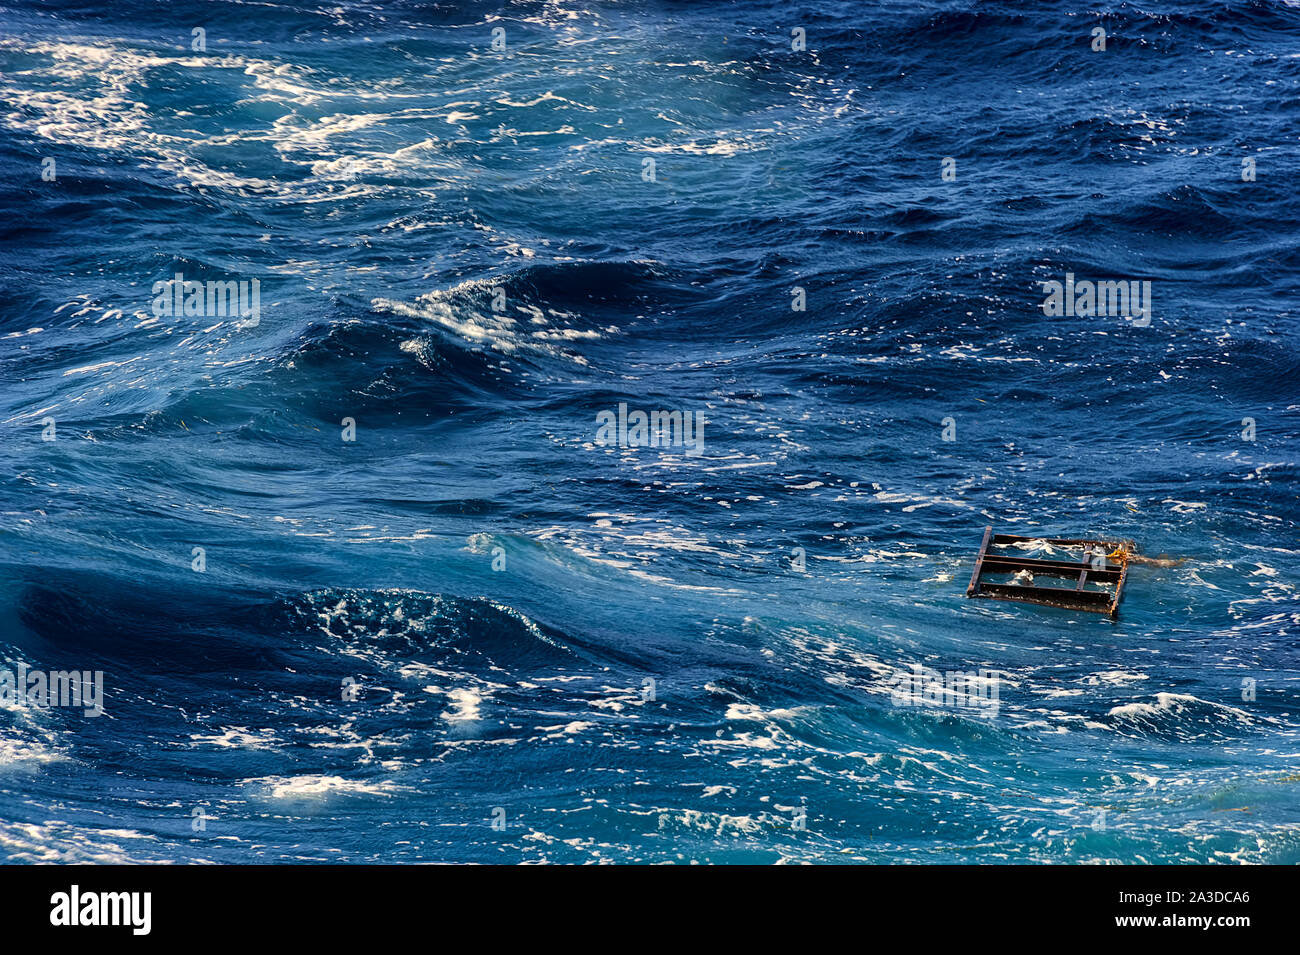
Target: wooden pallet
(1095,566)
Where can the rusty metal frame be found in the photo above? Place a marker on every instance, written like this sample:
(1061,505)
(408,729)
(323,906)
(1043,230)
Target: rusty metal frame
(1093,601)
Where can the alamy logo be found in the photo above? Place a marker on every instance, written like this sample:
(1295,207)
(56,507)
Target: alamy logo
(74,908)
(178,297)
(654,429)
(70,688)
(1112,298)
(921,686)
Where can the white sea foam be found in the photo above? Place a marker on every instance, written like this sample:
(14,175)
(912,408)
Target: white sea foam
(465,706)
(315,786)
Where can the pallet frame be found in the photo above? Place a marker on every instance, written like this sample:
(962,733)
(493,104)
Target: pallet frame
(1092,601)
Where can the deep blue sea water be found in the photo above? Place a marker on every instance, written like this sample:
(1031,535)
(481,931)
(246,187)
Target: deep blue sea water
(462,250)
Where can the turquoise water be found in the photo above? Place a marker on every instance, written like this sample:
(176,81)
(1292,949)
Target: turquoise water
(565,650)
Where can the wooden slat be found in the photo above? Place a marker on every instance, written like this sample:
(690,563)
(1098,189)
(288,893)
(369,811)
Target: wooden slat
(1063,541)
(1093,601)
(1119,589)
(979,562)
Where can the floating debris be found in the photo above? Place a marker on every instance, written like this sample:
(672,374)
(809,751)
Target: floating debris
(1098,572)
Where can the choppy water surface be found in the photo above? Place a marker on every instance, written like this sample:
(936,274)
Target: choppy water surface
(458,249)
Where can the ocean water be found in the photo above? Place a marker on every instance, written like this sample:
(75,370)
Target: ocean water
(461,625)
